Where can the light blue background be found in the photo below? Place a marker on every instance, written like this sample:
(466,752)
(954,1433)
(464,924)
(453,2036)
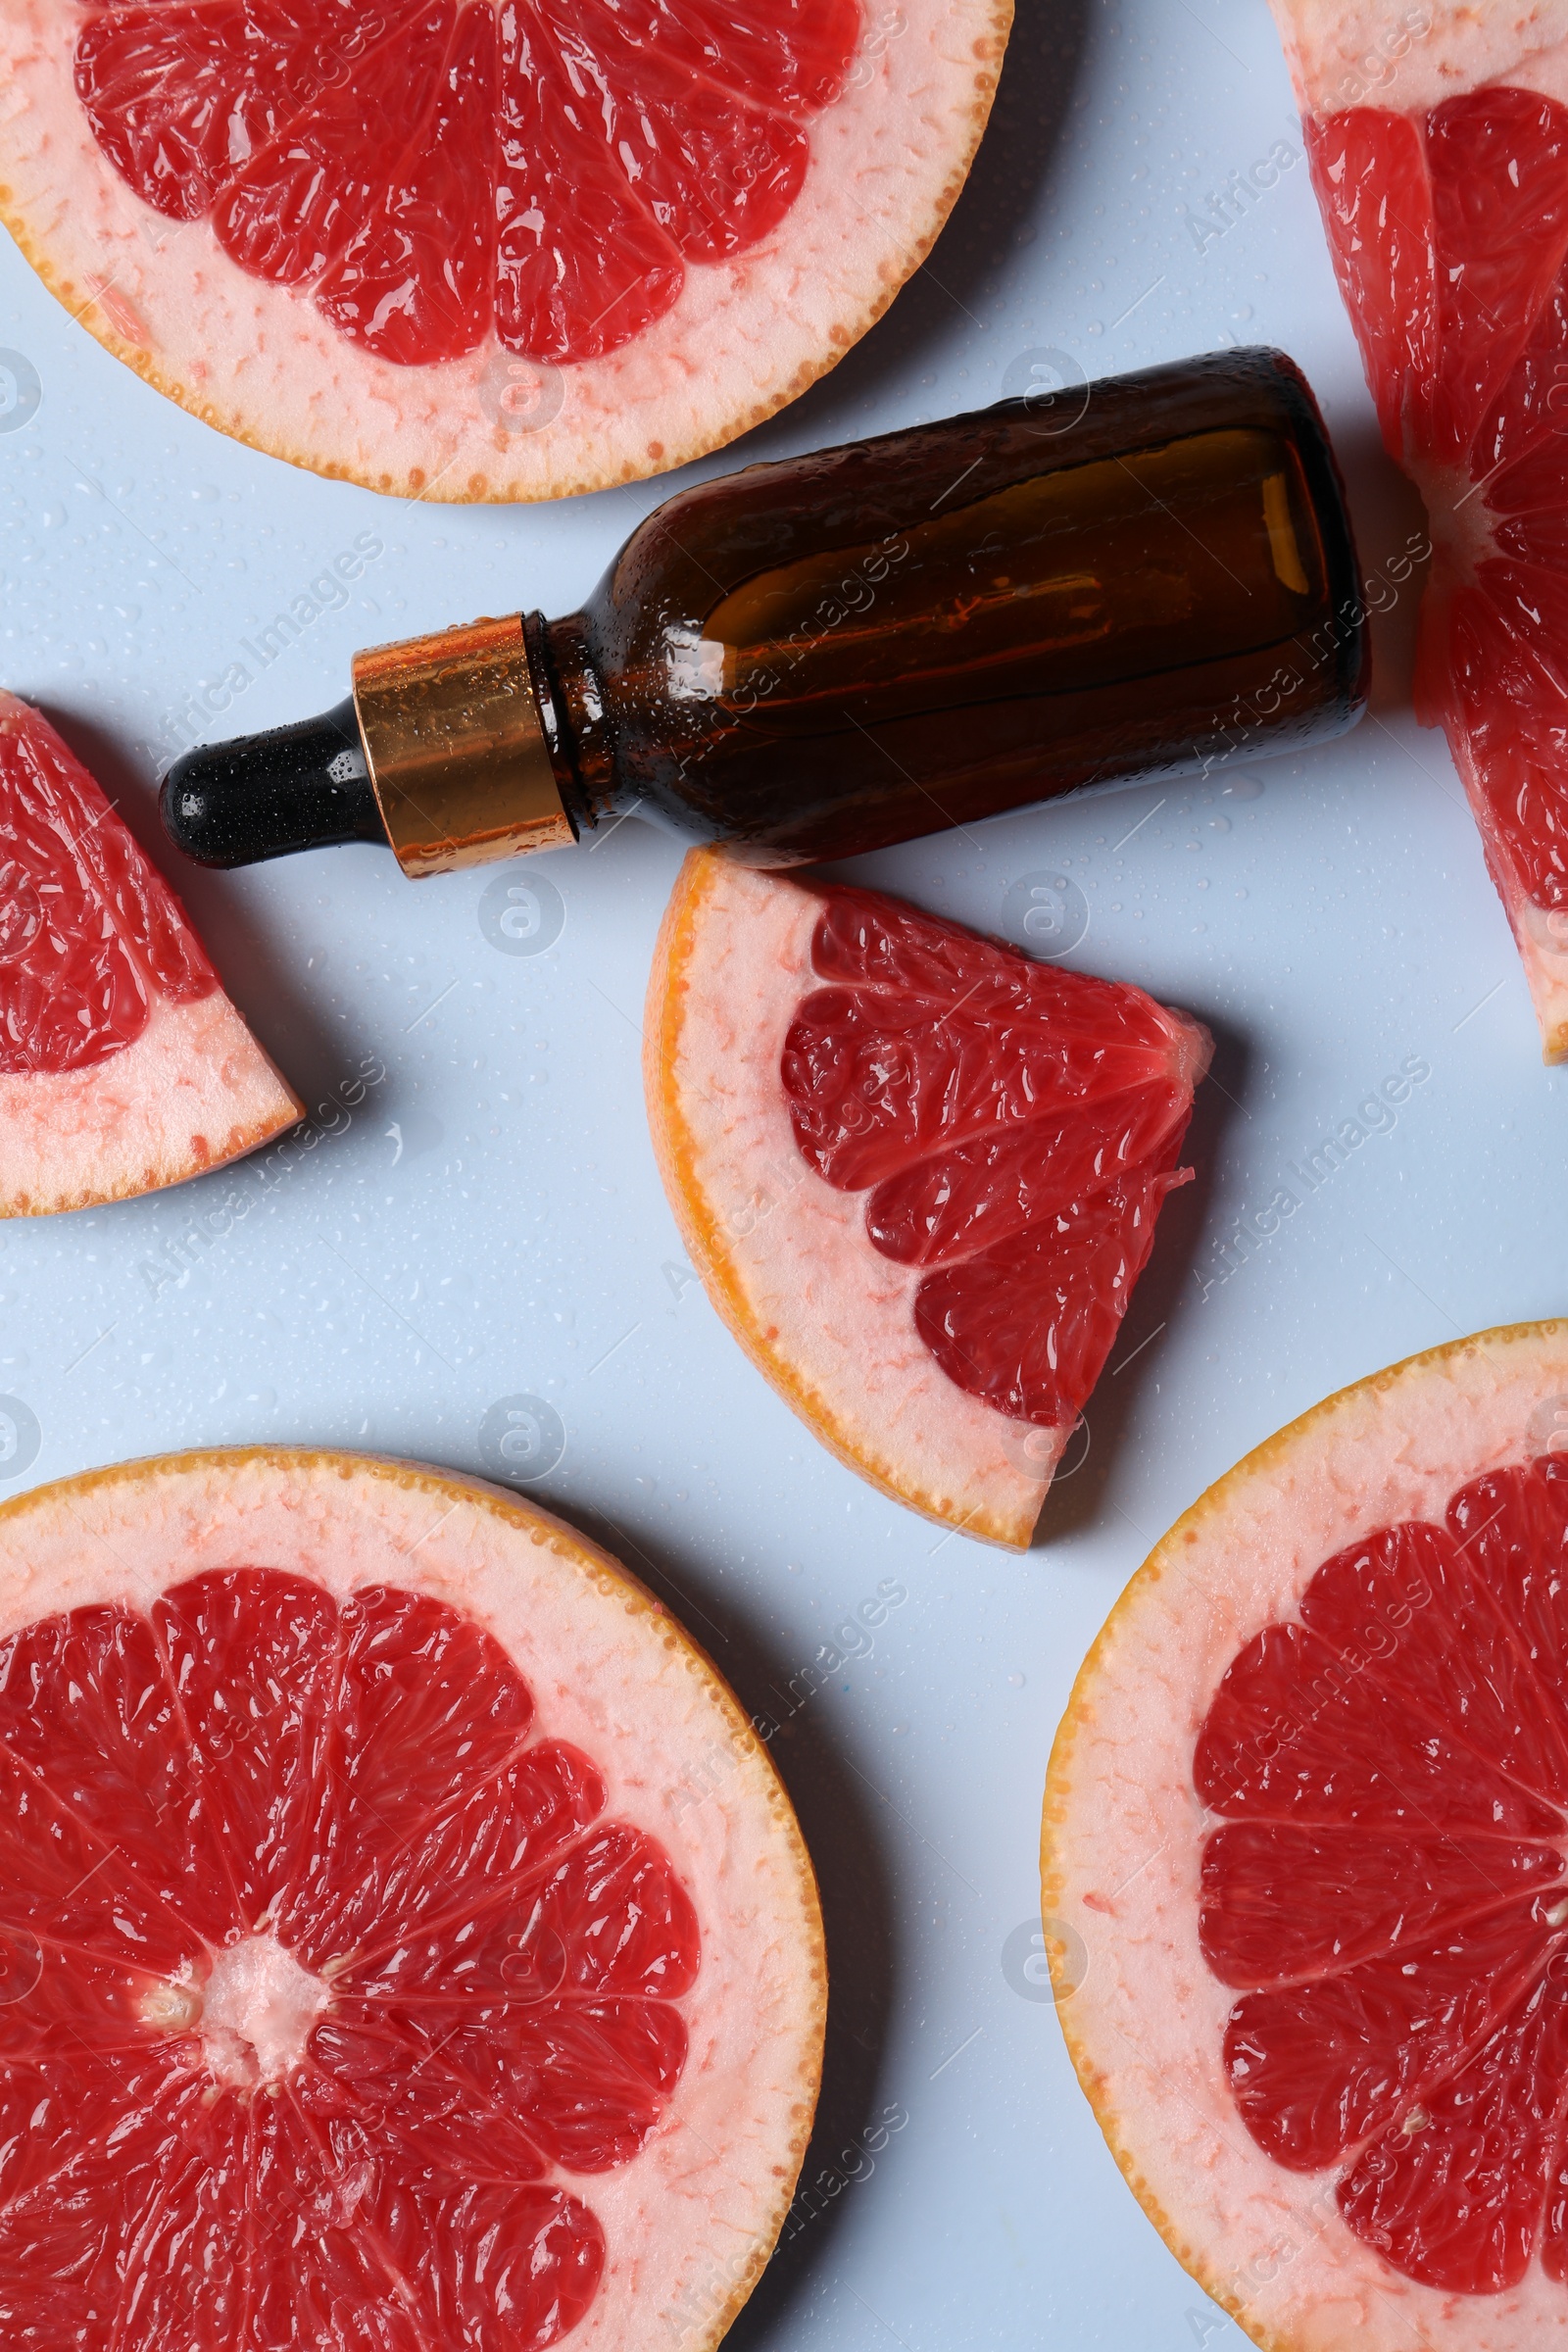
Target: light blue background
(491,1224)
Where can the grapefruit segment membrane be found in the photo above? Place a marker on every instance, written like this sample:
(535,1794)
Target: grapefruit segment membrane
(123,1066)
(406,1939)
(919,1172)
(468,251)
(1437,142)
(1307,1813)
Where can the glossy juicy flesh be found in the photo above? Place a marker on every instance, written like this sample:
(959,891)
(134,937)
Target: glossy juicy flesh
(329,1989)
(919,1172)
(1015,1127)
(89,932)
(1387,1887)
(1449,231)
(123,1064)
(436,172)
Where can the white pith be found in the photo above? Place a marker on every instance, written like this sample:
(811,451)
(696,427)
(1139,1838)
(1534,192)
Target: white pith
(1347,52)
(256,2011)
(689,2223)
(258,361)
(824,1315)
(1124,1833)
(193,1090)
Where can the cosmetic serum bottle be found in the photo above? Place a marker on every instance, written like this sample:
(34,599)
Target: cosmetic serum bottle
(821,656)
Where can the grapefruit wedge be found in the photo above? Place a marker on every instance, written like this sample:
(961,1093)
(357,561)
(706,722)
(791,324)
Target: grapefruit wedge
(1439,145)
(123,1064)
(1305,1866)
(917,1172)
(405,1941)
(465,251)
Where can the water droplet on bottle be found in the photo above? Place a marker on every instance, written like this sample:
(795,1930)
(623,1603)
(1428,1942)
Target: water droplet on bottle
(1219,825)
(1241,788)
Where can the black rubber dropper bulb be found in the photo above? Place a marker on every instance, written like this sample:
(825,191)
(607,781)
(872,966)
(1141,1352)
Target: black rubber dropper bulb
(805,660)
(299,787)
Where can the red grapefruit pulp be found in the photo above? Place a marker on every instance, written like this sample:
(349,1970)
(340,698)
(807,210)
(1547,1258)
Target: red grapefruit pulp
(918,1171)
(491,251)
(1308,1816)
(376,1971)
(1446,208)
(1387,1890)
(123,1064)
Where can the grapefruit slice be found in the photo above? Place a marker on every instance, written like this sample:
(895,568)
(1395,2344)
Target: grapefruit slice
(1439,147)
(465,251)
(123,1064)
(917,1172)
(405,1940)
(1305,1866)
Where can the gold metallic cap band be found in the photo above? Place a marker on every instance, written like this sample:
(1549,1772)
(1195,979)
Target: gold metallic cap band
(456,750)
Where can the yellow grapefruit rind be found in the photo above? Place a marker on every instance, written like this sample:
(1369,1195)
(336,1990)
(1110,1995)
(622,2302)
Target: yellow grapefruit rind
(717,2180)
(1123,1834)
(783,1254)
(889,159)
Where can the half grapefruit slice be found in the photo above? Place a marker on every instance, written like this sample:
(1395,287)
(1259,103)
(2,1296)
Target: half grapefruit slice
(123,1064)
(1305,1866)
(462,251)
(1438,146)
(405,1941)
(918,1171)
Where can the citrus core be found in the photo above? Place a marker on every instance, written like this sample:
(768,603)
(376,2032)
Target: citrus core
(405,1940)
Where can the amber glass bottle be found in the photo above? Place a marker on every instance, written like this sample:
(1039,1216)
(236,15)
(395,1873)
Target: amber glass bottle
(817,657)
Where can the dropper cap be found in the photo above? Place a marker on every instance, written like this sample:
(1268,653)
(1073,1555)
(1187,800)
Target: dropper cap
(440,751)
(264,796)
